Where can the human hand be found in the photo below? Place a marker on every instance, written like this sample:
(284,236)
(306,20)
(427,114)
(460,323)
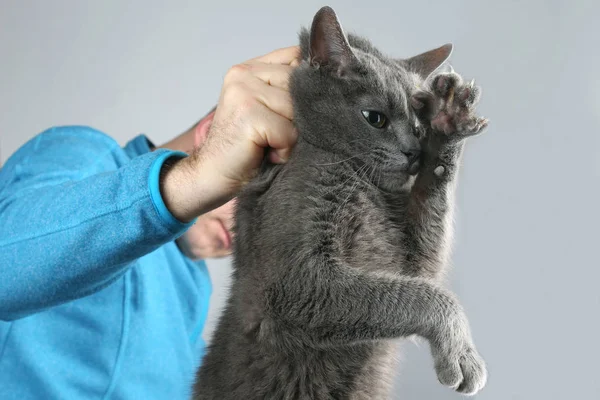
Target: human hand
(254,114)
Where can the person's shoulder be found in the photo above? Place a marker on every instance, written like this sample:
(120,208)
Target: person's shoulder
(81,139)
(73,147)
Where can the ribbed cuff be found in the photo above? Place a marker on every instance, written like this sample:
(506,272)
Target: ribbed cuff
(172,223)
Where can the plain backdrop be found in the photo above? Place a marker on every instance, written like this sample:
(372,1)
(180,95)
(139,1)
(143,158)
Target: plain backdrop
(525,263)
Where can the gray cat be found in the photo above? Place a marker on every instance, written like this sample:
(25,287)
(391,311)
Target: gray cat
(340,251)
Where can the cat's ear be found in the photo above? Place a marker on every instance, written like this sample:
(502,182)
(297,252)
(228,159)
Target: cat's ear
(328,43)
(424,64)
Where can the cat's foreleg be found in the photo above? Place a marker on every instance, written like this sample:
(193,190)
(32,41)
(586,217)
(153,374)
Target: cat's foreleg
(446,114)
(330,305)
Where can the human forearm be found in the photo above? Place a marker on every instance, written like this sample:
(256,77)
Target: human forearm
(191,187)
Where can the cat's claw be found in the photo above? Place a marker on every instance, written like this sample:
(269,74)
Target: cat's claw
(464,372)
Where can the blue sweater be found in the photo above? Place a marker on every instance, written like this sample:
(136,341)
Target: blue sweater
(96,300)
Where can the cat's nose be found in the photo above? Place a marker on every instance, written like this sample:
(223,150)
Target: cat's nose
(413,159)
(412,154)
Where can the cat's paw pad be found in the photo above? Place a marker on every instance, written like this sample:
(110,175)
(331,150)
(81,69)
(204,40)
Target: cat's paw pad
(456,101)
(449,107)
(439,170)
(465,372)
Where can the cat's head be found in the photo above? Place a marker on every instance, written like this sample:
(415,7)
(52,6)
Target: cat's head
(352,100)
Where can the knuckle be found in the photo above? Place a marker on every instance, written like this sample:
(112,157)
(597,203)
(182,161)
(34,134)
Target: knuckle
(239,98)
(236,72)
(235,93)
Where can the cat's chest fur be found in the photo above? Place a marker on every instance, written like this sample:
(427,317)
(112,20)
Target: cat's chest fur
(357,221)
(370,235)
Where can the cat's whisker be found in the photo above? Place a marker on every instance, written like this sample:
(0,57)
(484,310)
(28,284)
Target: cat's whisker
(347,159)
(373,175)
(356,174)
(351,176)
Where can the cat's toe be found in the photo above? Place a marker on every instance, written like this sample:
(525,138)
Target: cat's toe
(468,95)
(423,104)
(449,372)
(474,373)
(473,126)
(444,84)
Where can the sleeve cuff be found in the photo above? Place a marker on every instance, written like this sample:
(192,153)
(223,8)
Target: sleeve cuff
(172,223)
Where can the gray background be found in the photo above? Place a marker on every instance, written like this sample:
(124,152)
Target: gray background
(525,262)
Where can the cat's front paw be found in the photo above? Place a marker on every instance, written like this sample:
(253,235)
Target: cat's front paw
(461,369)
(449,107)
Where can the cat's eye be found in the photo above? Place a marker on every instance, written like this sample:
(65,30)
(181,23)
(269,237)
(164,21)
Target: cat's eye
(376,119)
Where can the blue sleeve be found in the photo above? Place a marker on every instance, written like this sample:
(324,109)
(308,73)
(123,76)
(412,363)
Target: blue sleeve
(68,229)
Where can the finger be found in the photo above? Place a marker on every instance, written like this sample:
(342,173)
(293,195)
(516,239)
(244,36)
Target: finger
(281,56)
(274,98)
(274,131)
(272,74)
(279,156)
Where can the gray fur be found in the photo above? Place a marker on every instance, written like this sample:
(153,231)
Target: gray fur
(340,251)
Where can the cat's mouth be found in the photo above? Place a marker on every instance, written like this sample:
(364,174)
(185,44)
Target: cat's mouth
(414,168)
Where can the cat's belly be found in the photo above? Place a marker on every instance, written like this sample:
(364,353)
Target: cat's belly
(244,370)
